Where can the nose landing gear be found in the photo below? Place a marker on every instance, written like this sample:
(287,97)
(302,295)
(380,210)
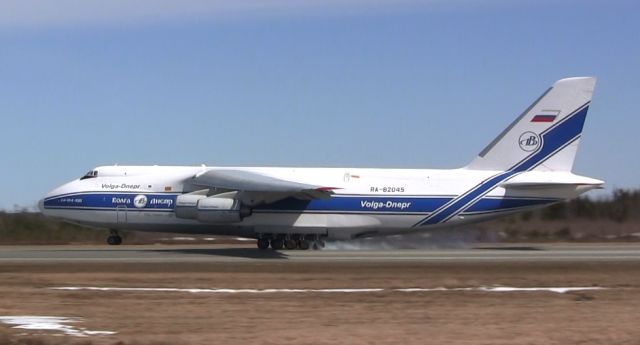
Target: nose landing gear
(114,238)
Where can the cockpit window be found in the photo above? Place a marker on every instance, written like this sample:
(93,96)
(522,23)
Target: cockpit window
(90,174)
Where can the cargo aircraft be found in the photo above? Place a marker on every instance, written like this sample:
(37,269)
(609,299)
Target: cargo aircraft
(526,166)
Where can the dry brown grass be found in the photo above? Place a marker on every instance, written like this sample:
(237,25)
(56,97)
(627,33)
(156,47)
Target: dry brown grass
(604,317)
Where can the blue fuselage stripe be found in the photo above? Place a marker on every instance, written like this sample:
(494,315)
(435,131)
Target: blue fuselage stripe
(340,203)
(460,203)
(112,200)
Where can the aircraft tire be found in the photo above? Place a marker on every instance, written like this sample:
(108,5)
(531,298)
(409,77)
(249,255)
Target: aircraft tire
(290,244)
(263,243)
(304,244)
(277,244)
(114,240)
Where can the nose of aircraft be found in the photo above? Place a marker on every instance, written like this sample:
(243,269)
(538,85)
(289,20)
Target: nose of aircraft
(69,187)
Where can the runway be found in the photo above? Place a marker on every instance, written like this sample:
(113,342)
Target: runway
(244,253)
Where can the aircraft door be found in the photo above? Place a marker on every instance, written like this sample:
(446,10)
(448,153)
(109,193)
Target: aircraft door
(121,214)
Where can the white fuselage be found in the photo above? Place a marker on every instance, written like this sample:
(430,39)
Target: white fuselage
(366,202)
(527,165)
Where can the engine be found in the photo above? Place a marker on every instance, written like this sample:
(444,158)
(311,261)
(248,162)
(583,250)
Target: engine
(212,210)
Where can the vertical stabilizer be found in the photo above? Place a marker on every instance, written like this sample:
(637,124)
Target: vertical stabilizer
(546,136)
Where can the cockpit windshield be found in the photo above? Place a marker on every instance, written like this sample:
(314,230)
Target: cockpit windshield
(90,174)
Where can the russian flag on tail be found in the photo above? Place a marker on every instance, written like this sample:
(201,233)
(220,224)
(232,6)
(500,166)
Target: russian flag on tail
(546,116)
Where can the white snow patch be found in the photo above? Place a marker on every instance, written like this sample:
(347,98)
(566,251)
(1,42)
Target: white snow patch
(549,289)
(58,324)
(134,289)
(506,289)
(365,290)
(422,289)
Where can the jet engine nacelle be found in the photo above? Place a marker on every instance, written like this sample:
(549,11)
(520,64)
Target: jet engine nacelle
(187,206)
(218,210)
(213,210)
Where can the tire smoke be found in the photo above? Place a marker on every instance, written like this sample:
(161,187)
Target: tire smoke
(456,238)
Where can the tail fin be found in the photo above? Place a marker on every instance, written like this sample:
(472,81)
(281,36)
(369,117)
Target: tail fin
(546,136)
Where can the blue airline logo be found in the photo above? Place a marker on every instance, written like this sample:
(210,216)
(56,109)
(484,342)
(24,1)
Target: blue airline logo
(529,141)
(97,200)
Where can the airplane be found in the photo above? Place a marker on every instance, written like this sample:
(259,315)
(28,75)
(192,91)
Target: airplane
(527,166)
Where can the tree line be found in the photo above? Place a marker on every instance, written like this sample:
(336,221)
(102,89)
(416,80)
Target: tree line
(621,206)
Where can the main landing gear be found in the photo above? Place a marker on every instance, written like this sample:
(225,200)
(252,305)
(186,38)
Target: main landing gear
(114,238)
(290,241)
(263,243)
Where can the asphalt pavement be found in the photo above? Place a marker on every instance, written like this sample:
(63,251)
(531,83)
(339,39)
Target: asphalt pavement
(242,253)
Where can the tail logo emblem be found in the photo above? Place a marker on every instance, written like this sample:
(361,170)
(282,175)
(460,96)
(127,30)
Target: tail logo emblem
(529,141)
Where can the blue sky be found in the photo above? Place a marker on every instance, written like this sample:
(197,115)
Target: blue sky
(409,84)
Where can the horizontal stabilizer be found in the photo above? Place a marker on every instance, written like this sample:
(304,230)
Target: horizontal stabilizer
(541,180)
(547,185)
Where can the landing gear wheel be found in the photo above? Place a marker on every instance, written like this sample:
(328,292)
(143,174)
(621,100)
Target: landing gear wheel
(303,244)
(290,244)
(114,240)
(277,244)
(263,243)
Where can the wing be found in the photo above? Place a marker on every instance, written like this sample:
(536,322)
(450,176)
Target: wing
(254,188)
